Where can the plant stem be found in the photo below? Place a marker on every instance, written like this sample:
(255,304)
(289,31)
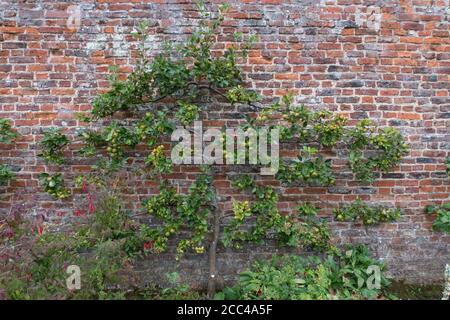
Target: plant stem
(212,280)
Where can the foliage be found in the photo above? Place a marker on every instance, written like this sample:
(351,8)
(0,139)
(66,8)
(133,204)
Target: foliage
(351,273)
(306,168)
(158,162)
(442,221)
(103,241)
(187,112)
(92,141)
(342,275)
(54,185)
(117,137)
(369,215)
(7,135)
(301,122)
(178,212)
(264,219)
(329,130)
(52,145)
(153,126)
(176,71)
(177,290)
(388,145)
(313,233)
(5,174)
(447,162)
(239,94)
(291,277)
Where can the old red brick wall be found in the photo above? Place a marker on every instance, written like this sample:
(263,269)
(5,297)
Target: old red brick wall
(386,60)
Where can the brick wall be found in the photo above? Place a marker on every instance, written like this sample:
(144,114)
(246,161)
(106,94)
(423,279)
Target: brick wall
(387,60)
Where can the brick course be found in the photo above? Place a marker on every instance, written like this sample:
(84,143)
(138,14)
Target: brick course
(333,54)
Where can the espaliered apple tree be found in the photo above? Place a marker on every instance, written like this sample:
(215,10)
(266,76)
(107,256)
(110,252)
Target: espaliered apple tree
(168,91)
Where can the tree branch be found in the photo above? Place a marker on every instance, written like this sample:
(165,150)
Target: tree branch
(212,281)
